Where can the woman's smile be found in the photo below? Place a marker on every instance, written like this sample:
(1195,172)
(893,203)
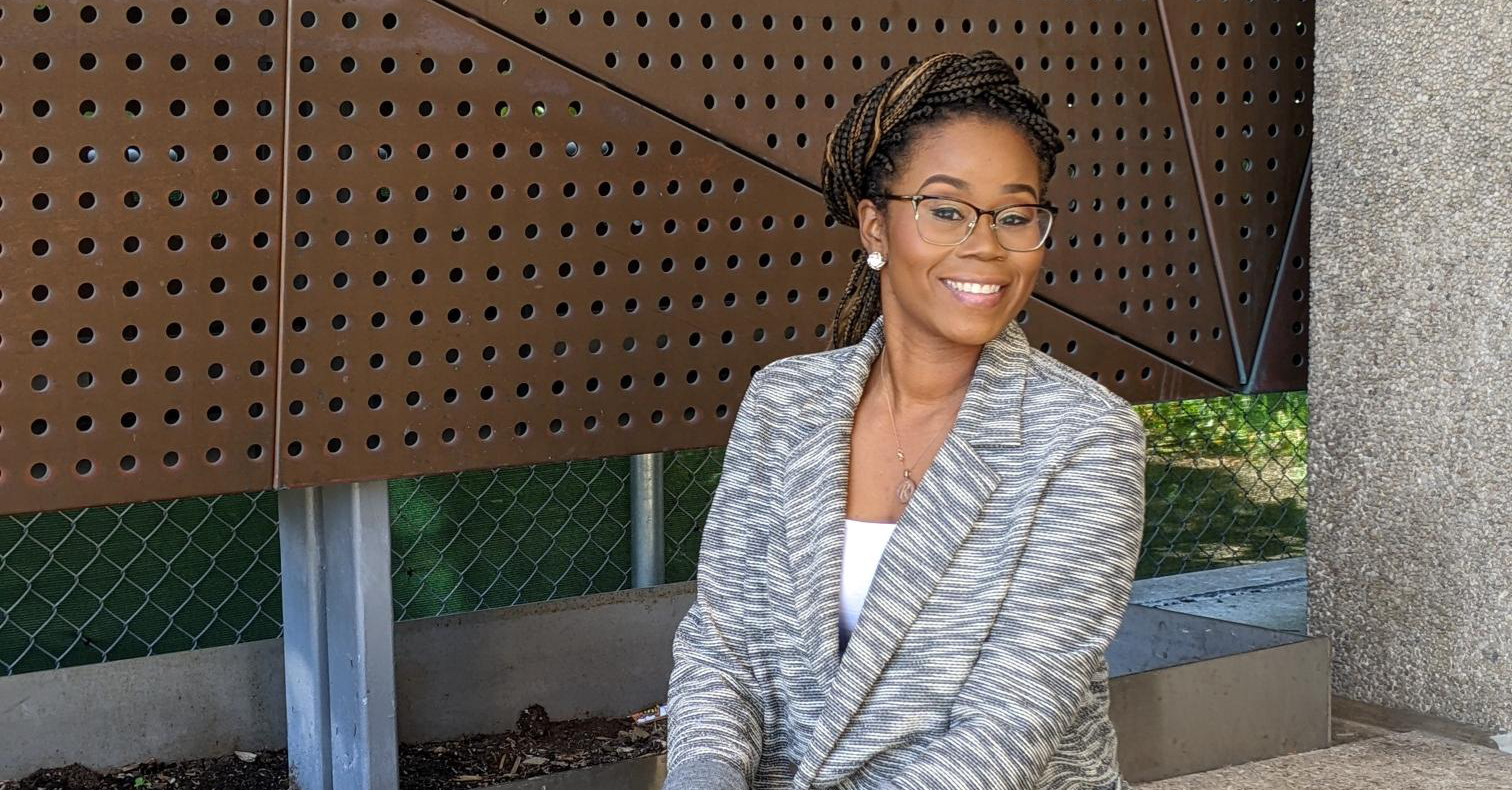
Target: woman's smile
(974,293)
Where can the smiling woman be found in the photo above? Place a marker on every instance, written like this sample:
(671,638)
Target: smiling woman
(924,537)
(959,139)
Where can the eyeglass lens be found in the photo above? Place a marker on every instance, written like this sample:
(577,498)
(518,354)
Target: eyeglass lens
(1020,228)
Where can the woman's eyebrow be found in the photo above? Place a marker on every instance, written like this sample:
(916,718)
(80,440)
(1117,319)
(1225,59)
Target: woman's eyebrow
(959,184)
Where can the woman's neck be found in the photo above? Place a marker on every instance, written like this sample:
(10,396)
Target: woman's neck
(924,376)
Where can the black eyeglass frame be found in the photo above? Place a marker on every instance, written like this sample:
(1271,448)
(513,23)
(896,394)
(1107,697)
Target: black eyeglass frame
(991,213)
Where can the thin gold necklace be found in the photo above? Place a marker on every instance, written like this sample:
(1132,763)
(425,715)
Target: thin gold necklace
(906,488)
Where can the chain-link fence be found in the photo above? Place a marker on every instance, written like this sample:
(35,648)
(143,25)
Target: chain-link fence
(1226,485)
(1225,481)
(478,540)
(104,583)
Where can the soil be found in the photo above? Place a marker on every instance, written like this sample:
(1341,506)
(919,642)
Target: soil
(537,746)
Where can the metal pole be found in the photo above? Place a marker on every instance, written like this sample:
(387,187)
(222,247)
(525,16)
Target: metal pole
(648,564)
(360,636)
(306,695)
(338,637)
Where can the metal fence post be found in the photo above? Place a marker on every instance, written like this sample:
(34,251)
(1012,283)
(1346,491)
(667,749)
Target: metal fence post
(360,636)
(339,637)
(307,705)
(648,564)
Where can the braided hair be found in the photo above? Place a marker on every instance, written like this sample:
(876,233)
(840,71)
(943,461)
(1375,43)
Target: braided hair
(871,142)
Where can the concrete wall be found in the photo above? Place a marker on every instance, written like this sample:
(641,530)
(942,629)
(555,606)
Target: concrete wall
(1410,512)
(1177,679)
(595,655)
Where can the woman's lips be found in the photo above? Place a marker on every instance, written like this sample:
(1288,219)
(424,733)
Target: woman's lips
(974,300)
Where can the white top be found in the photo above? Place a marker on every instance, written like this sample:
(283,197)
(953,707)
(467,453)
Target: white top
(864,542)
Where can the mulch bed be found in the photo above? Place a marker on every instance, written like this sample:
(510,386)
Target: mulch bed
(538,746)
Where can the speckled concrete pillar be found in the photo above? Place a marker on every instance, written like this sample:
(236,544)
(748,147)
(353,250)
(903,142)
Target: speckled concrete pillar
(1410,555)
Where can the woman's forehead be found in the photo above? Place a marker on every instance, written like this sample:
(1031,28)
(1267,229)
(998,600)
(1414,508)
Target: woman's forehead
(988,157)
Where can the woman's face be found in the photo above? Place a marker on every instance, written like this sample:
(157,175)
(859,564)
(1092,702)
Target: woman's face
(986,163)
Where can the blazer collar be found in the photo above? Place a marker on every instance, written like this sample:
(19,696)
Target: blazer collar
(989,414)
(948,501)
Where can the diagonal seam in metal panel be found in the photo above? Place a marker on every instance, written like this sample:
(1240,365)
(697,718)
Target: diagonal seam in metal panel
(625,94)
(805,182)
(1286,253)
(1240,367)
(1193,372)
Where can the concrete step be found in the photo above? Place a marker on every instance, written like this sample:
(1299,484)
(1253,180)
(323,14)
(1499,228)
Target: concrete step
(1414,760)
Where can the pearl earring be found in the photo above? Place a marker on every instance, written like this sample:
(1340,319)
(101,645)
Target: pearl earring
(875,260)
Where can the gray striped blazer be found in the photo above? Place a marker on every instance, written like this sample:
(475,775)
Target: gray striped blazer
(979,660)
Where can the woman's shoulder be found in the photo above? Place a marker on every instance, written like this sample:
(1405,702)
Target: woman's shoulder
(1062,397)
(1050,375)
(808,365)
(795,377)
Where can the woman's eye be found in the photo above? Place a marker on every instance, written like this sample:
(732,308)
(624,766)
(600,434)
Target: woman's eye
(1011,219)
(948,213)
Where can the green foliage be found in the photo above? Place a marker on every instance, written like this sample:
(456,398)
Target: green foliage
(1226,481)
(1237,425)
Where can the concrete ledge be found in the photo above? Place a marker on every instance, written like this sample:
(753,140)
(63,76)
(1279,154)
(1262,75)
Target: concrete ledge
(1268,594)
(196,703)
(1413,760)
(1191,693)
(1396,720)
(1178,681)
(594,655)
(1260,575)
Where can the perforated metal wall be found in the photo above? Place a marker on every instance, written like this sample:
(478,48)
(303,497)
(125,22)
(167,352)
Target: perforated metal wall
(140,156)
(495,260)
(1244,78)
(1130,253)
(527,232)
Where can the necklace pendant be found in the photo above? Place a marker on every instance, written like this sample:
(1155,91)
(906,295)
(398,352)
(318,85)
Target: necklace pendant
(906,489)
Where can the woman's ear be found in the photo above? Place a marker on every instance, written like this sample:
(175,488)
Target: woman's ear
(873,226)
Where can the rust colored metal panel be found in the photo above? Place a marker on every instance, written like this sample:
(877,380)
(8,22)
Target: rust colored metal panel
(1135,374)
(1244,72)
(140,151)
(1128,254)
(514,235)
(1281,363)
(496,261)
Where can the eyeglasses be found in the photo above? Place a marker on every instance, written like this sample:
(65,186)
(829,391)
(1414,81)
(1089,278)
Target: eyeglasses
(1022,227)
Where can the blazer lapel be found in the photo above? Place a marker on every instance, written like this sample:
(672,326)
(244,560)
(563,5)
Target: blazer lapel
(948,501)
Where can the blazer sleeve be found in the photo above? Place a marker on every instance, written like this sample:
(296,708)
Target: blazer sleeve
(714,725)
(1072,587)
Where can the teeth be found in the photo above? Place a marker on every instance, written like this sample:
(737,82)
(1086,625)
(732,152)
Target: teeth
(974,288)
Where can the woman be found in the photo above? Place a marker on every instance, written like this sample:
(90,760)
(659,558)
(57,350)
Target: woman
(859,623)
